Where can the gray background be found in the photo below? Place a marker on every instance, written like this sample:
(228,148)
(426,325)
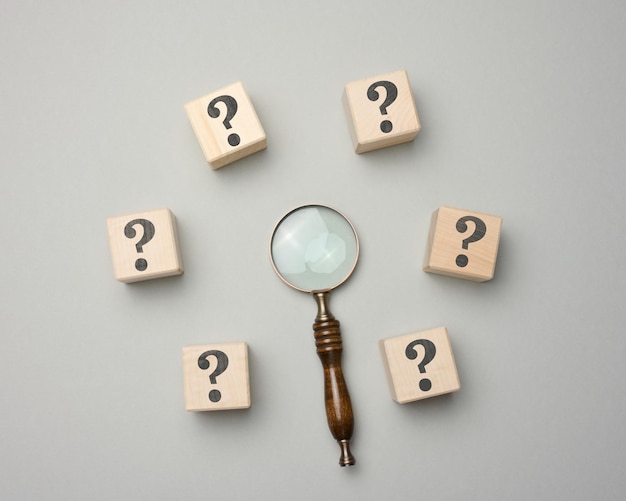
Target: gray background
(522,108)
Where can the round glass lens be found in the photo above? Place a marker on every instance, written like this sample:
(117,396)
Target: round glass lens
(314,248)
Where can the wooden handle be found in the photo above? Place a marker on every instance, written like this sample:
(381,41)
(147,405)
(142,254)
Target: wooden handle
(336,396)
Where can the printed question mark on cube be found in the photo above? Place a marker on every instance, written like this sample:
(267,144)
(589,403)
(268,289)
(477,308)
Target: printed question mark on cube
(391,95)
(231,109)
(148,233)
(430,350)
(479,232)
(220,366)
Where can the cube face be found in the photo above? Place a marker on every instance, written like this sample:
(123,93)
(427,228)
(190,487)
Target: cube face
(216,377)
(419,365)
(463,244)
(381,111)
(226,125)
(144,246)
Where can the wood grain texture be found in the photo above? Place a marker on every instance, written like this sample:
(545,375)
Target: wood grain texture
(215,383)
(137,255)
(406,376)
(215,133)
(366,115)
(445,245)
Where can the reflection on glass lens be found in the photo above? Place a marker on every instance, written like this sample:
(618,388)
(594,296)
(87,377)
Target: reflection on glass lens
(314,248)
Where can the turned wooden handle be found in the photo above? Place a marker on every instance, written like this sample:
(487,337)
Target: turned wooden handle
(337,399)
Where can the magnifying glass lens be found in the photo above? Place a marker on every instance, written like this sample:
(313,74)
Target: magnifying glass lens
(314,248)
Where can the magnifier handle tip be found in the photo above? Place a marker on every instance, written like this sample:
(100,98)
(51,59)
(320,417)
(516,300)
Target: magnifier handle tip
(346,459)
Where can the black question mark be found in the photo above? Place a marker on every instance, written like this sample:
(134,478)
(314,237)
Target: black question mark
(392,95)
(231,109)
(429,354)
(148,233)
(222,364)
(479,232)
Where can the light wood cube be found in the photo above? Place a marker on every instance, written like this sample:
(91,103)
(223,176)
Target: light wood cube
(381,111)
(216,377)
(419,365)
(144,246)
(463,244)
(226,125)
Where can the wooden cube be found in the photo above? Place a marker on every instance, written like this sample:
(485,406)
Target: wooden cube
(419,365)
(226,125)
(381,111)
(144,246)
(462,244)
(216,377)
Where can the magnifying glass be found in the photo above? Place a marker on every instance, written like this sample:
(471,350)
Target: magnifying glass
(315,249)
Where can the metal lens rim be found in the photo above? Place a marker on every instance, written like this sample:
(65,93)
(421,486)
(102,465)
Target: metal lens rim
(356,241)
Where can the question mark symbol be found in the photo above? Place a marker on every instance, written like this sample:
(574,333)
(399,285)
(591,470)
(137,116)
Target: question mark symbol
(429,354)
(231,109)
(392,95)
(479,232)
(148,233)
(222,364)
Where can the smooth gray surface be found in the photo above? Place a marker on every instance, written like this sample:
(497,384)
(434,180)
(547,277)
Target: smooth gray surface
(522,107)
